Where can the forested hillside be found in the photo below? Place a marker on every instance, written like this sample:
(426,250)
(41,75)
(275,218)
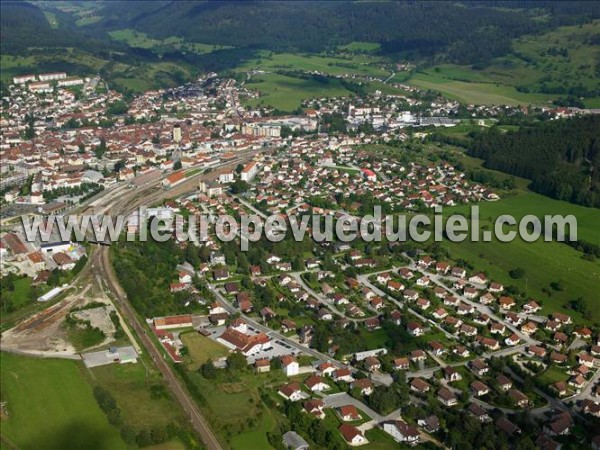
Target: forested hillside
(469,32)
(23,25)
(561,157)
(465,33)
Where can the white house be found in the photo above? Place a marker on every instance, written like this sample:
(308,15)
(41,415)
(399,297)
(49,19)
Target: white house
(402,432)
(352,435)
(289,365)
(291,392)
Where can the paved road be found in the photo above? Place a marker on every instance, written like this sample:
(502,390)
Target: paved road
(342,399)
(484,309)
(274,334)
(298,278)
(364,279)
(100,264)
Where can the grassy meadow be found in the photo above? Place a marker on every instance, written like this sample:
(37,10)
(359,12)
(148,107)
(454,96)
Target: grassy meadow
(561,59)
(133,385)
(481,93)
(286,93)
(137,39)
(329,64)
(236,410)
(51,406)
(202,349)
(544,262)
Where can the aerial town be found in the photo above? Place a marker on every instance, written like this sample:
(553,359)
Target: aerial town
(354,343)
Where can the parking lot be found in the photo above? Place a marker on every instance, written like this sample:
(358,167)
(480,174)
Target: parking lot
(278,348)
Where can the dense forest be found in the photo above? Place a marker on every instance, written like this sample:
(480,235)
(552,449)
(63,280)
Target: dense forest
(23,25)
(470,33)
(466,33)
(561,158)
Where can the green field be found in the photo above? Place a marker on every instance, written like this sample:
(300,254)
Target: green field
(332,65)
(480,93)
(201,349)
(361,47)
(88,20)
(286,93)
(552,375)
(22,293)
(51,18)
(142,40)
(236,411)
(553,62)
(51,406)
(131,385)
(544,262)
(21,302)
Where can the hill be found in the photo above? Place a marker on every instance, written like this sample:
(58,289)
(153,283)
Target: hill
(562,157)
(467,33)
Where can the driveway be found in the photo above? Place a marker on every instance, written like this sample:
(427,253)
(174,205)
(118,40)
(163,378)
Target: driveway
(342,399)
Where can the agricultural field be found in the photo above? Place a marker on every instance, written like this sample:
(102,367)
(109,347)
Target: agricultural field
(286,93)
(332,65)
(20,302)
(555,62)
(482,93)
(51,406)
(232,401)
(360,47)
(236,410)
(142,40)
(51,18)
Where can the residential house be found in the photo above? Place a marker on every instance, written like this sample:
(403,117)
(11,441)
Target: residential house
(352,435)
(315,407)
(479,389)
(348,413)
(479,367)
(415,329)
(364,385)
(316,384)
(518,398)
(447,397)
(290,365)
(291,391)
(342,375)
(401,363)
(402,432)
(262,365)
(431,424)
(419,385)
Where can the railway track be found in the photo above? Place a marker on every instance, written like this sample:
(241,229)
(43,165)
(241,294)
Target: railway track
(99,263)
